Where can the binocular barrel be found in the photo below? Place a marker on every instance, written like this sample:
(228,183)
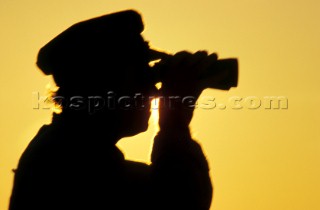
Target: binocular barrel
(222,73)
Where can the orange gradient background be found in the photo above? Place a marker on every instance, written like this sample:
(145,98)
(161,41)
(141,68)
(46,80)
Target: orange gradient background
(260,159)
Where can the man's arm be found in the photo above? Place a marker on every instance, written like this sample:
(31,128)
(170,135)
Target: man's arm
(180,172)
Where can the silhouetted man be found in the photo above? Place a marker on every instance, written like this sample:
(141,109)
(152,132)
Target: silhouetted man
(101,68)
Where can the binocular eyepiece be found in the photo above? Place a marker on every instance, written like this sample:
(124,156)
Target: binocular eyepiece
(222,74)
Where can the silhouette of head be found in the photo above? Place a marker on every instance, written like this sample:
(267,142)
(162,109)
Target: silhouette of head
(96,56)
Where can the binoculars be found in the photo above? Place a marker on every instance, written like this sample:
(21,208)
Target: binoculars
(228,68)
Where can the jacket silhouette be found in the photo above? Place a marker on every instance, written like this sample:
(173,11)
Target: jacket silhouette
(73,163)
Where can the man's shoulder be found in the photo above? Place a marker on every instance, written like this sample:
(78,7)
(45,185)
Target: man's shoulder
(137,170)
(136,167)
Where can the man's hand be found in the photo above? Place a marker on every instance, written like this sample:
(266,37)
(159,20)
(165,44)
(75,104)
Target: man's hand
(180,81)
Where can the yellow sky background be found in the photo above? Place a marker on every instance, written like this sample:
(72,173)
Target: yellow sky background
(260,159)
